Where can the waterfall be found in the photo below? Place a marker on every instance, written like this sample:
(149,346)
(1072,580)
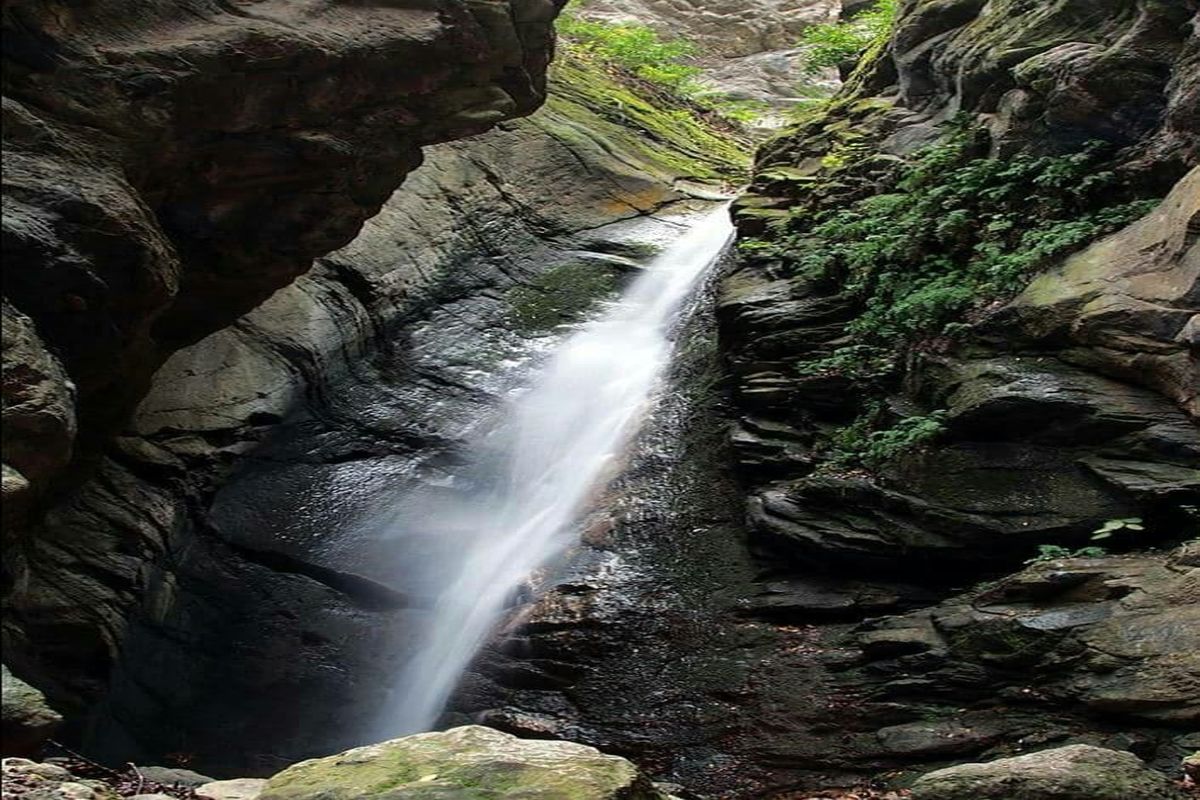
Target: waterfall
(557,444)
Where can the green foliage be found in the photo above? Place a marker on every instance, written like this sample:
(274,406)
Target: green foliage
(745,112)
(859,361)
(636,48)
(865,443)
(666,64)
(1106,530)
(829,45)
(1054,552)
(957,232)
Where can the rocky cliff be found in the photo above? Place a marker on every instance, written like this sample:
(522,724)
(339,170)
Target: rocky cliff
(959,334)
(962,334)
(1018,362)
(171,165)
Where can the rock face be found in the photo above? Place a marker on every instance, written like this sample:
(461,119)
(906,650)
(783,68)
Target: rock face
(1059,406)
(29,779)
(468,762)
(26,721)
(1068,405)
(1078,772)
(169,166)
(235,789)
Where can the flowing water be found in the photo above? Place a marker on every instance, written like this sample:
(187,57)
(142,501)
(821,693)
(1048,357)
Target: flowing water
(558,442)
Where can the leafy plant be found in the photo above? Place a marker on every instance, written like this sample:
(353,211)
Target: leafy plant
(1054,552)
(829,45)
(864,443)
(857,361)
(743,111)
(1106,530)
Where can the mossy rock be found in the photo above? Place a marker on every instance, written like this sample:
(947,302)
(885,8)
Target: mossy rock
(468,763)
(1075,772)
(671,137)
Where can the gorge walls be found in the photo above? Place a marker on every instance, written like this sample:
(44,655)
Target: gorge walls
(227,340)
(188,595)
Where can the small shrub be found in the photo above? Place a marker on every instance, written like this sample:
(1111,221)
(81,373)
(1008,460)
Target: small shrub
(864,443)
(857,361)
(636,48)
(1106,530)
(1054,552)
(829,45)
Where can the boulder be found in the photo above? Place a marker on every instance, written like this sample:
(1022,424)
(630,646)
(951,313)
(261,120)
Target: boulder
(466,762)
(235,789)
(1075,772)
(173,776)
(26,720)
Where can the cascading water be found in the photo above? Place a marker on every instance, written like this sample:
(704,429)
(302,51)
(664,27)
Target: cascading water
(556,445)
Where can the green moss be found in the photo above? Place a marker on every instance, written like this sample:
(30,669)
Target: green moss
(465,763)
(560,295)
(593,102)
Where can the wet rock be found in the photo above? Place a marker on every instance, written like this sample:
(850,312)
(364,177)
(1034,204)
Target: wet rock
(411,322)
(1118,636)
(1191,767)
(470,759)
(934,739)
(27,721)
(24,766)
(1126,303)
(39,416)
(816,598)
(182,192)
(173,776)
(1076,772)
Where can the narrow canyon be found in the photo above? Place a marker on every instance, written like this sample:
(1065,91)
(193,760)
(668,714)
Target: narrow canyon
(601,400)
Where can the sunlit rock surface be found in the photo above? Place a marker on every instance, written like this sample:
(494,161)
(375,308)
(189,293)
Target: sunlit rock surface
(467,762)
(1077,772)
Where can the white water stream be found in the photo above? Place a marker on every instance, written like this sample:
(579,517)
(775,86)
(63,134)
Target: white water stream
(556,446)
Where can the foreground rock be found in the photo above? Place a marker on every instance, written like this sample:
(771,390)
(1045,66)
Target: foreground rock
(1077,772)
(467,762)
(234,789)
(26,721)
(33,781)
